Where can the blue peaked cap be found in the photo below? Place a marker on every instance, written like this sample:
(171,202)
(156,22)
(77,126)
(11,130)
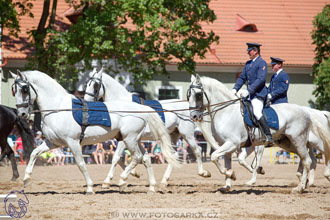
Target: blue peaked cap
(275,60)
(253,46)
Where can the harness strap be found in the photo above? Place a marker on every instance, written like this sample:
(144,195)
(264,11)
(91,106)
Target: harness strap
(84,119)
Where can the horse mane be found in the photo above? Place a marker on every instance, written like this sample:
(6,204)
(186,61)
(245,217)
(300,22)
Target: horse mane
(214,86)
(36,76)
(104,74)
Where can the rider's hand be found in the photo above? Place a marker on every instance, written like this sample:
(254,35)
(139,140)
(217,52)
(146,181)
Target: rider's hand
(245,94)
(269,97)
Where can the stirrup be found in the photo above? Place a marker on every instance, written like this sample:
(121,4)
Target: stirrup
(269,142)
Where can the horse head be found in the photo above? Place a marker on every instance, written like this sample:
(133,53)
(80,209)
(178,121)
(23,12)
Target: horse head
(24,95)
(94,86)
(197,98)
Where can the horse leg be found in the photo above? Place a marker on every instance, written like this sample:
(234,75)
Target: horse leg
(227,147)
(311,176)
(76,151)
(327,168)
(34,155)
(166,175)
(246,151)
(197,150)
(12,159)
(146,160)
(229,177)
(306,161)
(116,157)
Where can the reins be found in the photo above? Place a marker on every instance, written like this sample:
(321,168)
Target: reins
(226,103)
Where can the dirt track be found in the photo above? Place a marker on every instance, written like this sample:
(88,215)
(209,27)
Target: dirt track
(58,192)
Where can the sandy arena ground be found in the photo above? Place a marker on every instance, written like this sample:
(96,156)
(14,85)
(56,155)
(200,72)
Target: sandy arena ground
(58,192)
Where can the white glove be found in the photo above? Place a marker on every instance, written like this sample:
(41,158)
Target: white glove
(269,96)
(234,91)
(244,93)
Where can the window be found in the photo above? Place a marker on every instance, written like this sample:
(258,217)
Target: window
(168,92)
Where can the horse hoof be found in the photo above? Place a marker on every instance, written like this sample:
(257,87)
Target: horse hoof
(90,193)
(122,185)
(297,190)
(205,174)
(233,176)
(27,182)
(152,190)
(225,189)
(163,185)
(14,179)
(261,171)
(105,185)
(250,183)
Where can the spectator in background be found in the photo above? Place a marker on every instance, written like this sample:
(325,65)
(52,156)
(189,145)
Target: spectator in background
(38,138)
(49,157)
(157,152)
(202,143)
(285,156)
(99,154)
(68,155)
(60,156)
(88,150)
(109,149)
(19,149)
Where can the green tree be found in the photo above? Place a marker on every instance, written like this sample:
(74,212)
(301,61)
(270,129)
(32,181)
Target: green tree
(321,67)
(10,11)
(143,36)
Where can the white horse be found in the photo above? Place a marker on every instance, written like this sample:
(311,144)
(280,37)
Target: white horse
(228,126)
(314,141)
(60,128)
(102,85)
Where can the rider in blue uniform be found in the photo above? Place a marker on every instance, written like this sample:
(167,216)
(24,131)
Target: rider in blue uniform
(279,83)
(254,75)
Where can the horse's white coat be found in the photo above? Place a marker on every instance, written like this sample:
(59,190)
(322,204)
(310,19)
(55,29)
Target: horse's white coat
(177,122)
(60,128)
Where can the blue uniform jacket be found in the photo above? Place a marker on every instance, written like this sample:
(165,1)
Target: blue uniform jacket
(255,74)
(278,88)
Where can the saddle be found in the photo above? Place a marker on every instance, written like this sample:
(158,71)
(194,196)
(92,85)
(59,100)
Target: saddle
(154,104)
(90,113)
(268,112)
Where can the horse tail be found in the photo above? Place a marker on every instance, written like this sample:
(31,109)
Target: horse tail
(321,132)
(27,136)
(159,132)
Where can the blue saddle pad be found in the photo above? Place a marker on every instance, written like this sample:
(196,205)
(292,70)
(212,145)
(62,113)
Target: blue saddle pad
(153,104)
(97,113)
(270,115)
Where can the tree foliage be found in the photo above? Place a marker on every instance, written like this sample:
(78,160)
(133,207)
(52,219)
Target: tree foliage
(143,36)
(10,11)
(321,67)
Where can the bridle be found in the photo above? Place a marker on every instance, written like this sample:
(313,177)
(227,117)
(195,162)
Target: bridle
(199,97)
(25,89)
(97,87)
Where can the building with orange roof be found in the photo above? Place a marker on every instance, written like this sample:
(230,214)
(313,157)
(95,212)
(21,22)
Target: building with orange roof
(282,27)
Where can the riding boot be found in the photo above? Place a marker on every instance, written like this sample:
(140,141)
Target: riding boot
(264,126)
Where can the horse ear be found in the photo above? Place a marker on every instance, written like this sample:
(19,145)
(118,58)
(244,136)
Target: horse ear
(13,75)
(198,79)
(192,78)
(20,74)
(99,73)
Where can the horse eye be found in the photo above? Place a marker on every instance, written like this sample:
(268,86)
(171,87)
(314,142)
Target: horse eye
(96,86)
(25,89)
